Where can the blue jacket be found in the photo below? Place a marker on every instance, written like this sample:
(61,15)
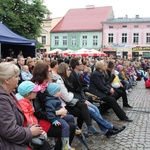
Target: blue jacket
(52,104)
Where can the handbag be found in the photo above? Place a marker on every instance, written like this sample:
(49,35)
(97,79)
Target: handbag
(73,102)
(37,142)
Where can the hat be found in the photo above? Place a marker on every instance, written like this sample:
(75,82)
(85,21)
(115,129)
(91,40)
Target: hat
(27,86)
(119,66)
(53,88)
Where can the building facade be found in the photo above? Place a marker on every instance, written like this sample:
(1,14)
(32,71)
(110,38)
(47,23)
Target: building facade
(80,28)
(126,37)
(76,40)
(47,26)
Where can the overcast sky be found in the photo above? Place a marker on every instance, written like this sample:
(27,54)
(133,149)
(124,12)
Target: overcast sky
(120,7)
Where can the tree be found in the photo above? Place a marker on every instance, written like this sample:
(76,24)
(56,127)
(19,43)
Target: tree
(23,17)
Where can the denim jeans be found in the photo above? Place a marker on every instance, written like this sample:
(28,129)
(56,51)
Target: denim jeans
(95,115)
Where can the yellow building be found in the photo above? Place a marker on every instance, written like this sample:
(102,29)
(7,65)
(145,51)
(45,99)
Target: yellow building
(47,26)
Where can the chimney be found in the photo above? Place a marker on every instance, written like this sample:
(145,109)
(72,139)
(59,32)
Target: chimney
(48,16)
(90,6)
(126,16)
(136,16)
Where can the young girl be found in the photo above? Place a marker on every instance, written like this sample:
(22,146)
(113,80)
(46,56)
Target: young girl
(52,104)
(27,91)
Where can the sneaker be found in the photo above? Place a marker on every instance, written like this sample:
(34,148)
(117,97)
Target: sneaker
(119,128)
(114,131)
(92,131)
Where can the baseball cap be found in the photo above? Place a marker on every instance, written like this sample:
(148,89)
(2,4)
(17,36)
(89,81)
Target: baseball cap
(27,86)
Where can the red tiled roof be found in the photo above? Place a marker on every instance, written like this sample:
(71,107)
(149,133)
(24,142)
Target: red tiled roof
(83,19)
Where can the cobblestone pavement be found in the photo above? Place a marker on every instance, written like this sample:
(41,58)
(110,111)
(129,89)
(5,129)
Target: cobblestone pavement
(136,136)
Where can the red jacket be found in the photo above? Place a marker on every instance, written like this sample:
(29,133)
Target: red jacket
(147,83)
(28,110)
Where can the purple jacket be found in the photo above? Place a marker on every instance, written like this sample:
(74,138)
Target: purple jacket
(13,136)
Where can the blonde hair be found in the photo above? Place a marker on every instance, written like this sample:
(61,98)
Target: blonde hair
(24,67)
(29,60)
(99,64)
(7,70)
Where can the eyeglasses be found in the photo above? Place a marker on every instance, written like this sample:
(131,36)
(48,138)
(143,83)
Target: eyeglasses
(80,64)
(50,71)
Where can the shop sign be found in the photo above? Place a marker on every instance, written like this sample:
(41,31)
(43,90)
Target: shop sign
(140,48)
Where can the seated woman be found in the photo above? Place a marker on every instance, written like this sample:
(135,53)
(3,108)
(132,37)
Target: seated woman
(113,78)
(100,87)
(123,78)
(13,134)
(107,128)
(41,76)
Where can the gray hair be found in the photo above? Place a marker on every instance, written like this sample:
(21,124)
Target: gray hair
(8,70)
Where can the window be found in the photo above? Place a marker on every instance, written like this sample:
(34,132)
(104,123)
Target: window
(135,38)
(56,40)
(124,26)
(110,38)
(64,40)
(147,37)
(95,40)
(73,40)
(124,37)
(111,27)
(136,26)
(148,26)
(43,39)
(84,40)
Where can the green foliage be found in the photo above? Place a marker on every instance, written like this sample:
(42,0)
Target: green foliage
(24,17)
(39,45)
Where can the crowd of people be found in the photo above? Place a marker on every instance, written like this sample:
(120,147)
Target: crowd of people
(47,96)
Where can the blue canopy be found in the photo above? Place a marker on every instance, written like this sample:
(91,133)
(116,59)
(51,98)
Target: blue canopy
(13,40)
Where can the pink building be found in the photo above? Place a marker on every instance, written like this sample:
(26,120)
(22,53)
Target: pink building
(126,37)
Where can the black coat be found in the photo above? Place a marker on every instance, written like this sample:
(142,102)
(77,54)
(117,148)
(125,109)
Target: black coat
(99,84)
(77,89)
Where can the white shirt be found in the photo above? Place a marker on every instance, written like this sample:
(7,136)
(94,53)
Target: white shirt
(65,94)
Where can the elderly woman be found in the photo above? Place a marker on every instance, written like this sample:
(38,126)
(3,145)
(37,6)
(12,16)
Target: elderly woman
(13,134)
(100,87)
(80,109)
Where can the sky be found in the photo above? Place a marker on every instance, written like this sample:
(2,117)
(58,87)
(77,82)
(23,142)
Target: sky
(121,8)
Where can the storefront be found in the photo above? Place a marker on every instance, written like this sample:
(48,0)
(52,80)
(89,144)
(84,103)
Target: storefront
(141,52)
